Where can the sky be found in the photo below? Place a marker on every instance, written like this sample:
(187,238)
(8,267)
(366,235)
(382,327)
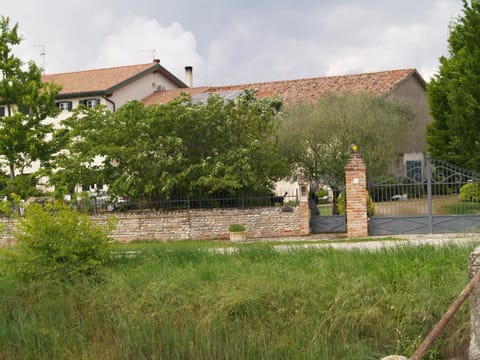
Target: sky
(235,41)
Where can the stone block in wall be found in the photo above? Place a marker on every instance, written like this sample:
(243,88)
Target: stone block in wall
(7,229)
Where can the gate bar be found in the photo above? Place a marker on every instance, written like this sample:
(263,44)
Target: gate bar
(429,194)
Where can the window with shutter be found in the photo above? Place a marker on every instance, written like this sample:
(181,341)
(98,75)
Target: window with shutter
(64,105)
(90,103)
(2,111)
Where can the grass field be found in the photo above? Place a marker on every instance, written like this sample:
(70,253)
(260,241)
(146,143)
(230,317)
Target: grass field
(441,205)
(182,301)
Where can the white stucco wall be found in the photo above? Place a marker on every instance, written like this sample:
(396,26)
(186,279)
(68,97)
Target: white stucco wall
(141,88)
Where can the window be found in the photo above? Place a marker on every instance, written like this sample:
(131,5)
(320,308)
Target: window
(64,105)
(2,111)
(90,103)
(414,170)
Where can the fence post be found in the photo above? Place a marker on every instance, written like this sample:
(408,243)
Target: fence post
(356,195)
(474,267)
(429,193)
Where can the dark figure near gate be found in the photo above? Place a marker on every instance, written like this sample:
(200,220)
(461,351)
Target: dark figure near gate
(313,200)
(278,199)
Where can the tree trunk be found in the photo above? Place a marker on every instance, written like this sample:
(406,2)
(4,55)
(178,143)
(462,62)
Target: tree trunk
(12,171)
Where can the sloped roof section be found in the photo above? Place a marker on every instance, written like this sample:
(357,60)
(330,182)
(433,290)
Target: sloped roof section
(305,90)
(103,81)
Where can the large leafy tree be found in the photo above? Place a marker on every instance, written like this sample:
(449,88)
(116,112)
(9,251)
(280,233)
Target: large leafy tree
(177,149)
(454,94)
(317,137)
(25,136)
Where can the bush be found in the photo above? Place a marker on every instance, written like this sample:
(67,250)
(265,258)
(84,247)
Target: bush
(322,196)
(236,228)
(58,242)
(341,204)
(470,192)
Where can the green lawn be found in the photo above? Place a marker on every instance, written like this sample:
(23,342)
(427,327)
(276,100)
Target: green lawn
(181,301)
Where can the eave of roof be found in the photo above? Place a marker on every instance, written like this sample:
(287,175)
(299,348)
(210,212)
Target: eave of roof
(414,73)
(81,94)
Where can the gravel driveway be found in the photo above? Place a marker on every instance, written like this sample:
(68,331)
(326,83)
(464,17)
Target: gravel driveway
(377,242)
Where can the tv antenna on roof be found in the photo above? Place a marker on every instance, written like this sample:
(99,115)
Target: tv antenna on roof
(153,51)
(42,54)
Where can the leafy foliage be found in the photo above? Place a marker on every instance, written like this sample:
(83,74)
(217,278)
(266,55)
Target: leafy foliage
(24,135)
(470,192)
(316,138)
(236,228)
(341,205)
(183,147)
(57,242)
(454,95)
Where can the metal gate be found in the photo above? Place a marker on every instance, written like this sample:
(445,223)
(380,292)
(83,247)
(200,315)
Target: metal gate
(324,210)
(427,200)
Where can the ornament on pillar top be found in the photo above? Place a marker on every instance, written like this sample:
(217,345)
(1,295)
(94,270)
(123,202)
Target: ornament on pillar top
(354,148)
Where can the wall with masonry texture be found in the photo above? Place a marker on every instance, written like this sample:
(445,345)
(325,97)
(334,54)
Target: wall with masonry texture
(195,224)
(356,195)
(205,223)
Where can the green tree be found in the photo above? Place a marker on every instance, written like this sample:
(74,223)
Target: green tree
(454,94)
(25,136)
(177,149)
(317,138)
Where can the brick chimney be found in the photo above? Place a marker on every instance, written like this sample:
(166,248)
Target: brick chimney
(189,76)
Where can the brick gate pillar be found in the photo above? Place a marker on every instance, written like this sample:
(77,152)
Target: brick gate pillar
(356,195)
(303,210)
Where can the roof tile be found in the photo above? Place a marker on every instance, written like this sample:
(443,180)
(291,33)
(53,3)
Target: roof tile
(303,90)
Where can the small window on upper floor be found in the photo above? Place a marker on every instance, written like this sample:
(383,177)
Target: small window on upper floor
(26,110)
(414,170)
(90,103)
(64,105)
(2,111)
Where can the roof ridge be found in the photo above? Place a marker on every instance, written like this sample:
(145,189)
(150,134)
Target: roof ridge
(100,69)
(315,77)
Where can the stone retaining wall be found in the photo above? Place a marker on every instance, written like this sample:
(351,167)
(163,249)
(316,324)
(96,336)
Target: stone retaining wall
(205,223)
(196,224)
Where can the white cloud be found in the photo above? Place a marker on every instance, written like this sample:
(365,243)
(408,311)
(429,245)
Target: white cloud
(237,42)
(134,37)
(242,54)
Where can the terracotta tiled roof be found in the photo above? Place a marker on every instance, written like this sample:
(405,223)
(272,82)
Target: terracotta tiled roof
(305,90)
(104,80)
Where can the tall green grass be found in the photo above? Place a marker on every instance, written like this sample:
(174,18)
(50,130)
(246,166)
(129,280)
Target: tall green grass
(173,301)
